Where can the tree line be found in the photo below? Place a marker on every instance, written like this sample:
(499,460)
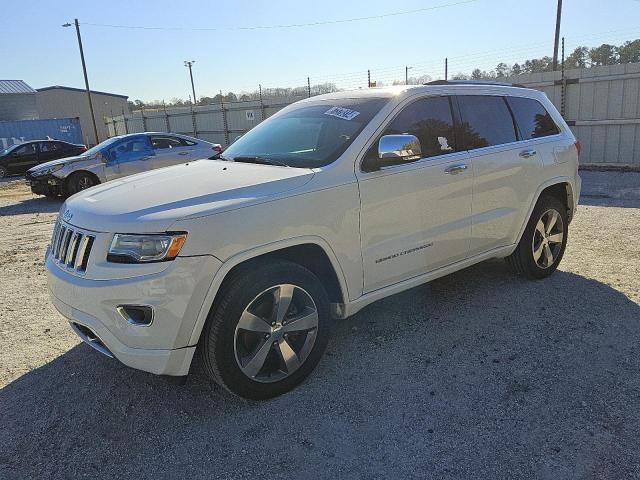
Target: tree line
(581,57)
(244,96)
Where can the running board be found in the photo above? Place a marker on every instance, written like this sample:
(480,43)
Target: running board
(345,310)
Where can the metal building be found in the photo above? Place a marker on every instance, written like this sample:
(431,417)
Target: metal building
(63,102)
(17,101)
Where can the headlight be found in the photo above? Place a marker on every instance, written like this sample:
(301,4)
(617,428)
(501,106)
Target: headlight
(47,171)
(126,248)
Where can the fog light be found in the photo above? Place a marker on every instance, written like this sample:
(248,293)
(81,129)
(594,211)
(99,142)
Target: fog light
(139,315)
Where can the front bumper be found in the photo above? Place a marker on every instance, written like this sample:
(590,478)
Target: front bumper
(176,295)
(45,184)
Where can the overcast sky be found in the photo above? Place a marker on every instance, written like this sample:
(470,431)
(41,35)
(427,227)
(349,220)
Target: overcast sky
(148,64)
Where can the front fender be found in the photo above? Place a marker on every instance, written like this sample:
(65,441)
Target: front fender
(239,258)
(91,166)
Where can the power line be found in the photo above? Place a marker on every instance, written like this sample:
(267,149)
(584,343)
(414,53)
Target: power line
(435,68)
(292,25)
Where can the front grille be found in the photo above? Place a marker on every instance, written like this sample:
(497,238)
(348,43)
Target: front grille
(71,247)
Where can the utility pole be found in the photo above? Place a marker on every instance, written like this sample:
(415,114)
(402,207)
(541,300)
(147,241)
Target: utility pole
(189,63)
(86,78)
(557,38)
(406,75)
(369,78)
(446,69)
(563,92)
(308,86)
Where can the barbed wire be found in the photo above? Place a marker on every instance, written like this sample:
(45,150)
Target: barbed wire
(435,68)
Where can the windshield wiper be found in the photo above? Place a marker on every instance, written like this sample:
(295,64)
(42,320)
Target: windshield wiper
(258,160)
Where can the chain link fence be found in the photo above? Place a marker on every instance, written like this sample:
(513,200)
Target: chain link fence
(601,105)
(221,123)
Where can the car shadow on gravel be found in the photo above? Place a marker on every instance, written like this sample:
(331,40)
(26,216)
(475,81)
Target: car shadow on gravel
(474,375)
(606,200)
(32,205)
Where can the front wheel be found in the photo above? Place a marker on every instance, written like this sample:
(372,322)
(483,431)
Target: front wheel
(80,181)
(543,242)
(268,331)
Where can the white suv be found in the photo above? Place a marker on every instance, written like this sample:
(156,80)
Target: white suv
(331,204)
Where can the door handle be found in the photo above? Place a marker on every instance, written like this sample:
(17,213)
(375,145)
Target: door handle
(455,169)
(527,153)
(184,153)
(148,157)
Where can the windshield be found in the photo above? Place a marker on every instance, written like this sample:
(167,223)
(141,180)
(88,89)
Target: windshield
(308,136)
(101,146)
(10,149)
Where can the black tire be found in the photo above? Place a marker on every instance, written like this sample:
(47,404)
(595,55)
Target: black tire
(80,181)
(522,261)
(218,341)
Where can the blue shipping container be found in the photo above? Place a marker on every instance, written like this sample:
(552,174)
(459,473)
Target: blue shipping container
(67,129)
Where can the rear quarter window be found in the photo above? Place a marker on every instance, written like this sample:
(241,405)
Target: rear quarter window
(532,118)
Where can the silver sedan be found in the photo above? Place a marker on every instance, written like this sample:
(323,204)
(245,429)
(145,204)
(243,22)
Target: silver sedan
(117,157)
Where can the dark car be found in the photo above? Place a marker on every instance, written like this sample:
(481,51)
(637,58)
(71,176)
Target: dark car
(17,159)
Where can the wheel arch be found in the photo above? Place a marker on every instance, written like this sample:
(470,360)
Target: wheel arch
(313,253)
(561,188)
(76,173)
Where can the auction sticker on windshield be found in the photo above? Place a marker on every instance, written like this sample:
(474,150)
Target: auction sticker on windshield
(343,113)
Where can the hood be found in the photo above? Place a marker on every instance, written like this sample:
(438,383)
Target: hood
(66,160)
(152,201)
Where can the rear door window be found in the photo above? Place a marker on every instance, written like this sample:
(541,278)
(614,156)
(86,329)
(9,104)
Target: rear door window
(431,121)
(47,147)
(486,121)
(162,142)
(532,118)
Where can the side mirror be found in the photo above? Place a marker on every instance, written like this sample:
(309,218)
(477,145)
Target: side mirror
(395,150)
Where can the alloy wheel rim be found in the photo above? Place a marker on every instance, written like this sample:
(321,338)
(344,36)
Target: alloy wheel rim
(547,238)
(84,183)
(276,333)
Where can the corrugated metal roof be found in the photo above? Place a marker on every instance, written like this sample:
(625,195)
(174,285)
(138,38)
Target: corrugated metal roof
(14,86)
(73,89)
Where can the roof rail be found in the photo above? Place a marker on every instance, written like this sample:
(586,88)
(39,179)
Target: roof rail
(474,82)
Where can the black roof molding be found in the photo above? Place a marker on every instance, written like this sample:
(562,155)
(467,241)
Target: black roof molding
(474,82)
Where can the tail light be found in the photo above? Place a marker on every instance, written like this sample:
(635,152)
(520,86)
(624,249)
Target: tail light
(578,147)
(217,148)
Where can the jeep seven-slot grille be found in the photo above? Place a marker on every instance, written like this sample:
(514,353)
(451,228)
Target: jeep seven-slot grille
(71,248)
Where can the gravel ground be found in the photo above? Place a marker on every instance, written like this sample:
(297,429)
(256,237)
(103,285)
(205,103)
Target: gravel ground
(476,375)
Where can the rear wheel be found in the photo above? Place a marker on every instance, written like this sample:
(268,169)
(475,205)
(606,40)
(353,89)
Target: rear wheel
(268,331)
(543,242)
(80,181)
